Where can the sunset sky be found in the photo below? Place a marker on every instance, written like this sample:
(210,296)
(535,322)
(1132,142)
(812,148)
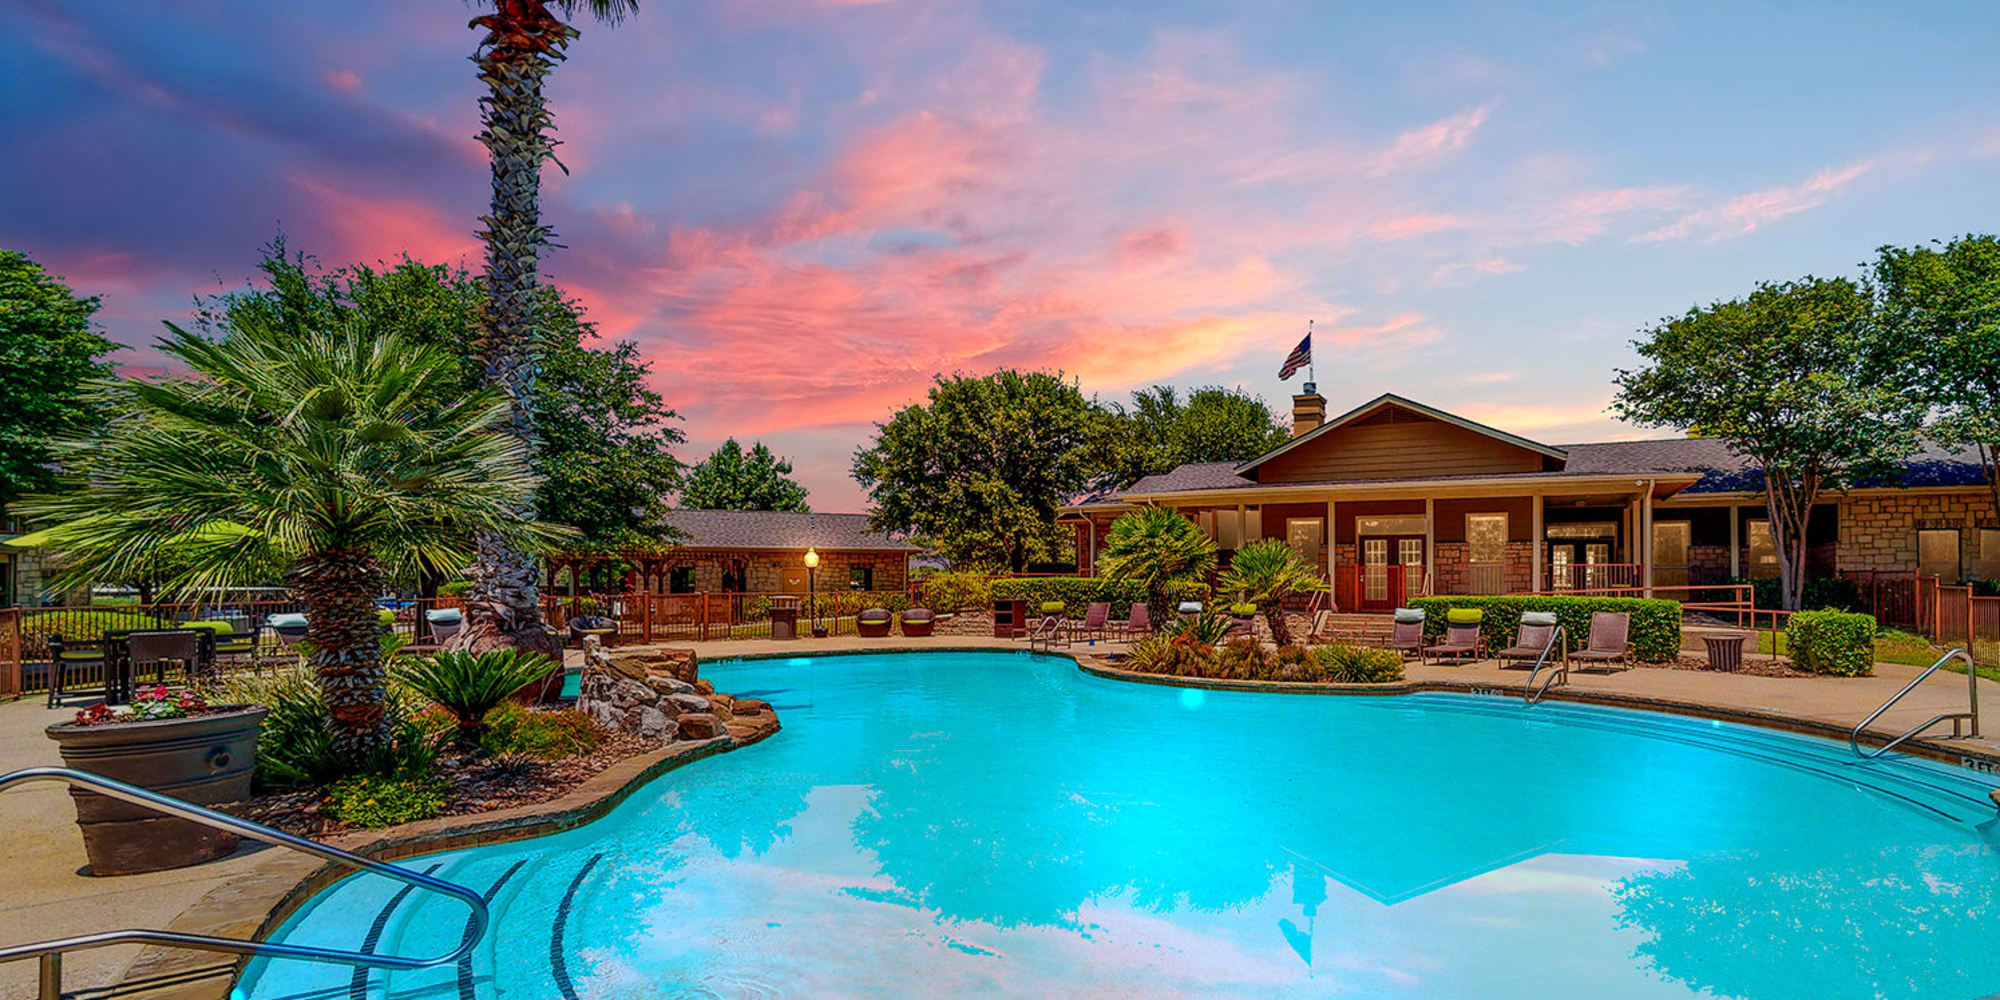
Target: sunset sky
(802,210)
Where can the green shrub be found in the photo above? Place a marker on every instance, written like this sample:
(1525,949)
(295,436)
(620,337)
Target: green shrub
(1157,654)
(516,729)
(1242,659)
(848,603)
(294,745)
(1297,664)
(455,588)
(374,801)
(471,684)
(1077,593)
(1832,642)
(1344,664)
(958,590)
(1204,629)
(1655,633)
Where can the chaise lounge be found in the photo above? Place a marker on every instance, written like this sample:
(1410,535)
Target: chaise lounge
(1406,635)
(1610,640)
(1537,631)
(1462,638)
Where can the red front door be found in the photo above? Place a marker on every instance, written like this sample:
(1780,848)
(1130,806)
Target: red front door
(1392,570)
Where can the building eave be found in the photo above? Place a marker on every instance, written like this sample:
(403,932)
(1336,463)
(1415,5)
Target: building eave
(1391,399)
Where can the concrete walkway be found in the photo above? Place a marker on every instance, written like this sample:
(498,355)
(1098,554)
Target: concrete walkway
(42,852)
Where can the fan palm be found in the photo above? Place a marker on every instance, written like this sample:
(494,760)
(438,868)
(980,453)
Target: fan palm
(330,448)
(524,40)
(1265,573)
(1160,548)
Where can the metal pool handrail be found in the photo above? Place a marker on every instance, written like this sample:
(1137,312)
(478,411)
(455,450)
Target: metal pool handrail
(1531,694)
(50,953)
(1971,715)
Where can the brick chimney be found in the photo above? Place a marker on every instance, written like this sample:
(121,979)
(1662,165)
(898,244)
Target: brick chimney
(1308,409)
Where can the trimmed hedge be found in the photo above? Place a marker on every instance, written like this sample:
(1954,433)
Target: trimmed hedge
(1832,642)
(1078,592)
(1656,624)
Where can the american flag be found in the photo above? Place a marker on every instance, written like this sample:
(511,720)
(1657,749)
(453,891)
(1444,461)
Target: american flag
(1300,357)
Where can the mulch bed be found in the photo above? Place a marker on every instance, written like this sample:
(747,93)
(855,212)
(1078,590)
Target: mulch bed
(479,783)
(1754,664)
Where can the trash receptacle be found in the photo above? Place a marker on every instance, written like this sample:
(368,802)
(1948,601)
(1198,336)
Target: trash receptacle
(1725,650)
(784,617)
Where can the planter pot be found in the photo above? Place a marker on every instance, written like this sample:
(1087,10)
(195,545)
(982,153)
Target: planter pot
(204,759)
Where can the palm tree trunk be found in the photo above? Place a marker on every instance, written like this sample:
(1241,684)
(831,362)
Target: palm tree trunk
(1156,603)
(339,590)
(1281,630)
(522,44)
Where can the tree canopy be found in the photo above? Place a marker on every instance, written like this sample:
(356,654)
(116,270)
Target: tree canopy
(1163,429)
(979,469)
(732,479)
(1798,377)
(603,439)
(1941,304)
(49,353)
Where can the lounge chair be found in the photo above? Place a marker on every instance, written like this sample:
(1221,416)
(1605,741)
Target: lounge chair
(1610,639)
(1406,635)
(873,623)
(181,648)
(1137,622)
(1538,629)
(225,640)
(1096,619)
(443,623)
(919,622)
(69,660)
(290,626)
(1462,638)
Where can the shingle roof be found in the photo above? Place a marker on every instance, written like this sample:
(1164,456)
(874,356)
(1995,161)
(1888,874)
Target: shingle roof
(771,529)
(1721,469)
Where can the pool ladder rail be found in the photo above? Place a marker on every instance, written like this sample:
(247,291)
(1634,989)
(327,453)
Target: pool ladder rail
(1963,724)
(50,953)
(1559,671)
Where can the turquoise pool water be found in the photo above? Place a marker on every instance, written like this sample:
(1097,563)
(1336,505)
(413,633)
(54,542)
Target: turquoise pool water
(1004,825)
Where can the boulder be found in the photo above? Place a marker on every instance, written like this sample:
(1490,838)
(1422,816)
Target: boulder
(750,706)
(640,692)
(689,702)
(701,726)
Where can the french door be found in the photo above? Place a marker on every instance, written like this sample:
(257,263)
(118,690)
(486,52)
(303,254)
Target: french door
(1392,569)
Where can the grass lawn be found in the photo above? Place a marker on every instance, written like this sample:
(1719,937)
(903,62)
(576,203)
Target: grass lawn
(1895,646)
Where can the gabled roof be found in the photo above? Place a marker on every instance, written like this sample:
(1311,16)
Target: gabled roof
(1391,399)
(773,529)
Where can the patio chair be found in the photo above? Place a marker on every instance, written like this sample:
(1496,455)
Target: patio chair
(873,623)
(1096,620)
(1136,623)
(1462,638)
(1406,634)
(919,622)
(1538,629)
(443,623)
(1610,640)
(290,627)
(68,660)
(179,648)
(226,641)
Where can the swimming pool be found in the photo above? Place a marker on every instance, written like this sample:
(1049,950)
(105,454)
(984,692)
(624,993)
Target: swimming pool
(1004,825)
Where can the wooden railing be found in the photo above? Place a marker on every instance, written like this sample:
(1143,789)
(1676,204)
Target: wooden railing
(1594,578)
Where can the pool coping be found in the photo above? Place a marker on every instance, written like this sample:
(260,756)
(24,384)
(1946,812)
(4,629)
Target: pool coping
(253,905)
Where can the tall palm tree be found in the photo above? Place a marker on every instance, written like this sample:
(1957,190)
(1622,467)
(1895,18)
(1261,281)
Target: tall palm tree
(524,40)
(1265,573)
(330,448)
(1159,547)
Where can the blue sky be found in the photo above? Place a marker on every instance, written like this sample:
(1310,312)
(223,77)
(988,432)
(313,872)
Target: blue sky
(801,210)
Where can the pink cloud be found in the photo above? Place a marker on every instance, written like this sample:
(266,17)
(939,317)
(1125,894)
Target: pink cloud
(344,80)
(1748,212)
(366,227)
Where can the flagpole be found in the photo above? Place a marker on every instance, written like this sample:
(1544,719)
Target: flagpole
(1309,365)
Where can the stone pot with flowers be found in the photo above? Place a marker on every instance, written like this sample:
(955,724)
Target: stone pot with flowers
(169,741)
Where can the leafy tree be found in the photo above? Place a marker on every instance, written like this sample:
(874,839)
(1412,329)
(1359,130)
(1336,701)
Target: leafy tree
(980,469)
(1159,547)
(523,41)
(1942,304)
(48,353)
(603,451)
(730,479)
(336,447)
(1795,377)
(1266,573)
(1212,424)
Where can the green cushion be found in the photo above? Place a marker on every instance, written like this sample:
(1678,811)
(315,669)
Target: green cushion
(239,646)
(82,654)
(385,617)
(1053,607)
(217,628)
(1465,616)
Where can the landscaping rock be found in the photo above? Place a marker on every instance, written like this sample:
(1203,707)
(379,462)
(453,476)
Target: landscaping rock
(702,686)
(644,693)
(702,726)
(689,702)
(750,706)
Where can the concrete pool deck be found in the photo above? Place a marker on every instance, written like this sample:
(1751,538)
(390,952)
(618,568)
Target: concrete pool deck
(43,852)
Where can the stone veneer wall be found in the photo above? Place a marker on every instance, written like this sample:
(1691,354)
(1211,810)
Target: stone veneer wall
(765,572)
(1451,567)
(1880,532)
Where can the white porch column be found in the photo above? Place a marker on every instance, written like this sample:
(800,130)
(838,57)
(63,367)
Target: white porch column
(1093,545)
(1326,538)
(1242,526)
(1646,539)
(1535,561)
(1430,544)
